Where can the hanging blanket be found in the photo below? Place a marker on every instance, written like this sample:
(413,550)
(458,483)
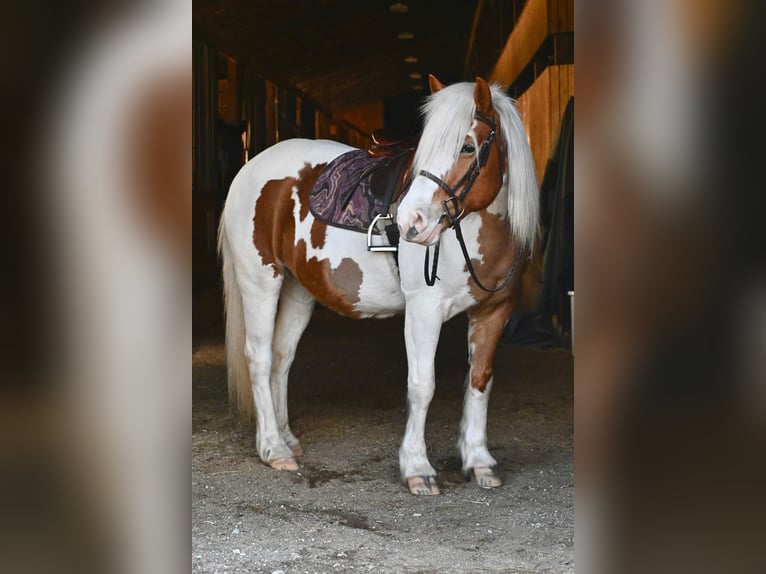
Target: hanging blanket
(355,187)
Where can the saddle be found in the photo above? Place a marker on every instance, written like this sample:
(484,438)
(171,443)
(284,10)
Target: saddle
(357,186)
(386,143)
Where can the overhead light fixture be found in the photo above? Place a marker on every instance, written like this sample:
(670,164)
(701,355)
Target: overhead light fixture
(398,8)
(411,60)
(415,76)
(406,35)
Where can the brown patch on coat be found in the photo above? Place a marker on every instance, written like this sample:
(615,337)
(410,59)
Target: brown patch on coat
(337,289)
(318,234)
(497,248)
(486,326)
(489,317)
(274,238)
(273,215)
(498,252)
(273,222)
(307,175)
(306,179)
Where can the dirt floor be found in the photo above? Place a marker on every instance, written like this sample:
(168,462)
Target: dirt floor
(347,510)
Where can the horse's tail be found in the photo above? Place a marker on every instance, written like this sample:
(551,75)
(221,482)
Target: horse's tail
(238,376)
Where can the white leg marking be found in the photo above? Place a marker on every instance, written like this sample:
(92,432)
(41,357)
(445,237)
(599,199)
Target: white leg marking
(422,326)
(473,428)
(295,308)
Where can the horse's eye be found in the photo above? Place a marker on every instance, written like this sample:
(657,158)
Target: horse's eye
(468,148)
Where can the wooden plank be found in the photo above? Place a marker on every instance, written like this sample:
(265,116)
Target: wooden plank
(554,8)
(570,73)
(553,102)
(570,16)
(564,90)
(534,107)
(561,94)
(559,15)
(544,138)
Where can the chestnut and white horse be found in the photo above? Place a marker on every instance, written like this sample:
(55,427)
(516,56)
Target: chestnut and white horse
(472,201)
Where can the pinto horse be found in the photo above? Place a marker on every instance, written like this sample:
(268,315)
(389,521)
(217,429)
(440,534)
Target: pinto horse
(470,207)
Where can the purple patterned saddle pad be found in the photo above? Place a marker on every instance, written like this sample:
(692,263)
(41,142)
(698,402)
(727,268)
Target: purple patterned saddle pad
(355,187)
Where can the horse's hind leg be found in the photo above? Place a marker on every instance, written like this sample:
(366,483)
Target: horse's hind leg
(260,298)
(295,308)
(484,331)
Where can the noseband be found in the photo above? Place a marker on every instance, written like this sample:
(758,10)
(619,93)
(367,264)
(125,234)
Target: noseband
(457,202)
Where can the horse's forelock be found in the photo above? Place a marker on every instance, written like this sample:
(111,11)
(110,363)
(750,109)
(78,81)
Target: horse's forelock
(448,115)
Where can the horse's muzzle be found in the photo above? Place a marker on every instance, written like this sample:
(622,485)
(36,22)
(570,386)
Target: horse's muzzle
(418,227)
(425,236)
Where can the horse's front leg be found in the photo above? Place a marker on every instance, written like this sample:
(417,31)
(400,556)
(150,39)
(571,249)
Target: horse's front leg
(422,325)
(485,327)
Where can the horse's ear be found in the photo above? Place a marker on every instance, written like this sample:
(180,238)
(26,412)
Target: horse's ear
(434,84)
(482,96)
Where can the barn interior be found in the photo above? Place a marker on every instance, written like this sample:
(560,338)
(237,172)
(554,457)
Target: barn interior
(265,71)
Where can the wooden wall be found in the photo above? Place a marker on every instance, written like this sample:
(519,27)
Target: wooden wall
(537,63)
(542,107)
(366,118)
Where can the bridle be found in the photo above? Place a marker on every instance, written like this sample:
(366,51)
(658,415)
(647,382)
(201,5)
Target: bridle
(457,202)
(469,177)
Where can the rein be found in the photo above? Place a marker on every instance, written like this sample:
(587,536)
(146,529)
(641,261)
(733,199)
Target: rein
(458,203)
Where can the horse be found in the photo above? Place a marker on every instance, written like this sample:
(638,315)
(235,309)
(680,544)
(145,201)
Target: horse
(471,196)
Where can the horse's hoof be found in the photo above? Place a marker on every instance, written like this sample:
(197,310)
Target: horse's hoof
(297,449)
(486,478)
(285,463)
(423,485)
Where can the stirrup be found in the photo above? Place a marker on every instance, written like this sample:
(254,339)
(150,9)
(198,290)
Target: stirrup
(370,246)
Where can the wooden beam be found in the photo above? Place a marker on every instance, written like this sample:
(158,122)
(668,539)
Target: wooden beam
(538,20)
(474,27)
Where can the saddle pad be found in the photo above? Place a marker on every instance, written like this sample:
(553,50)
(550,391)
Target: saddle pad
(353,189)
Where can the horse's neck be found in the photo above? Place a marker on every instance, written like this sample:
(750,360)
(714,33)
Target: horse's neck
(499,205)
(493,228)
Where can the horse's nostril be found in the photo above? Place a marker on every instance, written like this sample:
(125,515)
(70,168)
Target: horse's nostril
(412,232)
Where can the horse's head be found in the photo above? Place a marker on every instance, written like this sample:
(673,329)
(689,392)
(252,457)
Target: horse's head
(459,164)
